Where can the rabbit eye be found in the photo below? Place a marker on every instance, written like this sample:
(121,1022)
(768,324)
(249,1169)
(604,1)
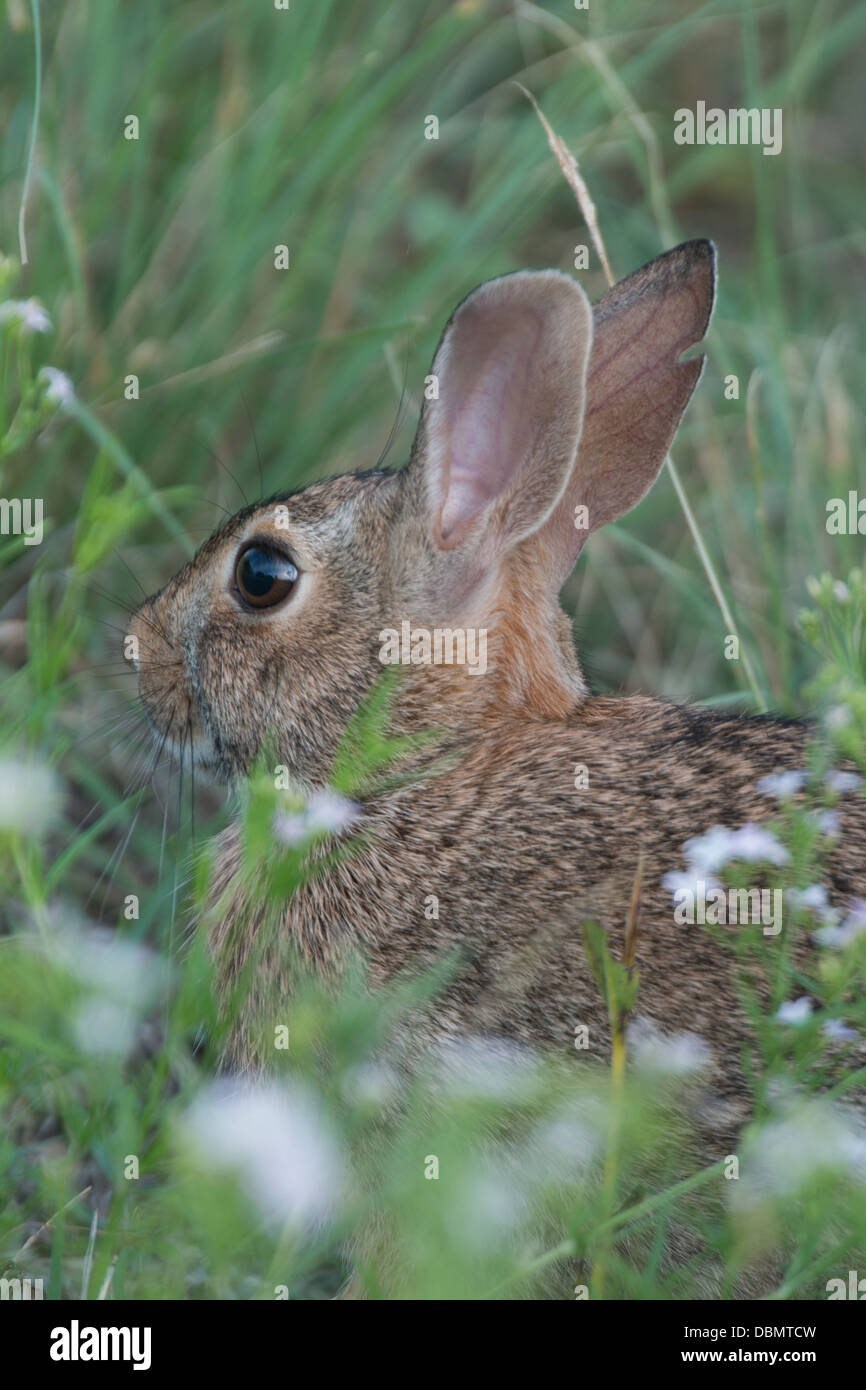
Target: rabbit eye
(264,577)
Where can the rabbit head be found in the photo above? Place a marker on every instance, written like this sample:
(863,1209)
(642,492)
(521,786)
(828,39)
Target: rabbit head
(545,419)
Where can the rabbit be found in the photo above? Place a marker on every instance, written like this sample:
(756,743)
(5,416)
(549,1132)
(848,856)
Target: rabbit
(546,419)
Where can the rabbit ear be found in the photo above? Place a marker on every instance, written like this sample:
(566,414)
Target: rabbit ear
(495,450)
(636,392)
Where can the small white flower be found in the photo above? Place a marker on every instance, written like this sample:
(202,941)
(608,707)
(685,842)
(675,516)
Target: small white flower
(562,1146)
(710,852)
(291,828)
(679,881)
(486,1069)
(832,936)
(856,919)
(837,1030)
(838,717)
(841,782)
(277,1142)
(828,822)
(488,1207)
(829,917)
(58,387)
(372,1083)
(29,313)
(326,812)
(795,1011)
(757,846)
(680,1054)
(841,592)
(104,1029)
(787,1152)
(814,897)
(330,812)
(689,881)
(31,796)
(853,925)
(782,784)
(108,963)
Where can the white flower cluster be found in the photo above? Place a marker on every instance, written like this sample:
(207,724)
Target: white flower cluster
(121,980)
(325,813)
(838,927)
(782,784)
(815,1138)
(275,1140)
(707,854)
(59,390)
(481,1068)
(796,1012)
(31,795)
(28,314)
(677,1054)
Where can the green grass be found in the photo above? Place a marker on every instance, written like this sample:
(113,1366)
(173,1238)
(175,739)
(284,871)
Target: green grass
(155,257)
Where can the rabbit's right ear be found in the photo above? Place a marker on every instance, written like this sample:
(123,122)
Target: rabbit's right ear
(636,391)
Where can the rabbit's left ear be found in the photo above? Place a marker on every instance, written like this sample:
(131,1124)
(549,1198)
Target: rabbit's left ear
(497,443)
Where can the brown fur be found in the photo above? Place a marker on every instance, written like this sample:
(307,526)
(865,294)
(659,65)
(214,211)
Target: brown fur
(515,855)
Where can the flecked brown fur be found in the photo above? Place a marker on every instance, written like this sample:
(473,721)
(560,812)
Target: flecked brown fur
(516,855)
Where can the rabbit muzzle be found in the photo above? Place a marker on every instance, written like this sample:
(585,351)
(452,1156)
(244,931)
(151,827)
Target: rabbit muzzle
(161,657)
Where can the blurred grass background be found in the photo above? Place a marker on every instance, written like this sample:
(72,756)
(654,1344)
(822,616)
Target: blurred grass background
(306,127)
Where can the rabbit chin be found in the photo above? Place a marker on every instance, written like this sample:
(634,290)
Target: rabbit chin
(197,743)
(195,747)
(217,760)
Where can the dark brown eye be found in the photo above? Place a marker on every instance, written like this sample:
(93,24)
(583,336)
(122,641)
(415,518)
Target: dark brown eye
(264,577)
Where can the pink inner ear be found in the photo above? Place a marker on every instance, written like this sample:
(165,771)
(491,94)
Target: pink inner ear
(488,425)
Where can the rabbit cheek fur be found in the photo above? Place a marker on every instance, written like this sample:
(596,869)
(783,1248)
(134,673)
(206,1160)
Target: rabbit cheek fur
(548,412)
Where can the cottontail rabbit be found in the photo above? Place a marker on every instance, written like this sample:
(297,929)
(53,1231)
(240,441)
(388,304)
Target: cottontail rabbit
(547,419)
